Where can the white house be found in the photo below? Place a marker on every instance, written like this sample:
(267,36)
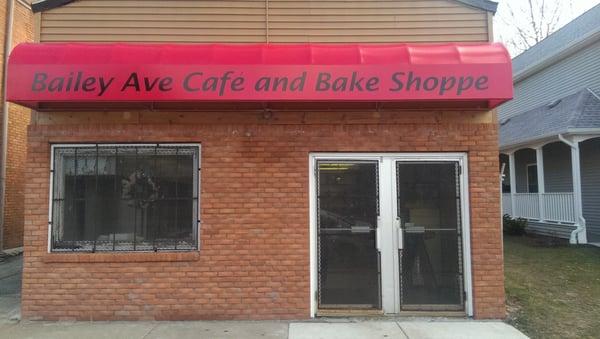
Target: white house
(550,134)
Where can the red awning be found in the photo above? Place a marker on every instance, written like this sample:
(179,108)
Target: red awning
(77,75)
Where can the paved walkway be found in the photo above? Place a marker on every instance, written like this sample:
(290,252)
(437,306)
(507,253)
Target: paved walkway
(10,287)
(345,329)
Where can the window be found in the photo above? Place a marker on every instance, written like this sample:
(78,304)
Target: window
(532,180)
(124,198)
(505,183)
(504,172)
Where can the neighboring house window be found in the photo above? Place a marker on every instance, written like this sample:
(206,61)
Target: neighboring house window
(505,184)
(124,198)
(532,180)
(505,176)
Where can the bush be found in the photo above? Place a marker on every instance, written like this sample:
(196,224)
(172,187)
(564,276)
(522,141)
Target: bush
(512,226)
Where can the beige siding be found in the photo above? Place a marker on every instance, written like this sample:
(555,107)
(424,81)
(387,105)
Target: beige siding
(156,21)
(262,20)
(375,21)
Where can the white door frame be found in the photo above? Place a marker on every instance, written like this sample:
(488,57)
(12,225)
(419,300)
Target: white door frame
(387,188)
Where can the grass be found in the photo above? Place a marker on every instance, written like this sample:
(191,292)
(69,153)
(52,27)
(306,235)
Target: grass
(552,291)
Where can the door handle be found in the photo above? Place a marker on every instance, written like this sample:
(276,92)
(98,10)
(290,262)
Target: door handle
(398,228)
(378,235)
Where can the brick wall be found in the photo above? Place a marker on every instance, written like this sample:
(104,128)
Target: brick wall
(254,257)
(18,119)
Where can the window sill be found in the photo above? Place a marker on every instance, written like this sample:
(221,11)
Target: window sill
(120,257)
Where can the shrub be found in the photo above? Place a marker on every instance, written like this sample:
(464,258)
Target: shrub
(512,226)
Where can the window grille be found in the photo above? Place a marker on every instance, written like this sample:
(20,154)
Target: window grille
(124,198)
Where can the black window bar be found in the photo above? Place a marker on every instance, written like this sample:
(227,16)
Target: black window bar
(138,201)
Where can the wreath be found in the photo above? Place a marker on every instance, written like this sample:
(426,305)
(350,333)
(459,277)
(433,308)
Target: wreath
(139,189)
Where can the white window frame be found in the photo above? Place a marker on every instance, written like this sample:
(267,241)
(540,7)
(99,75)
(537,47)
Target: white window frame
(74,145)
(387,190)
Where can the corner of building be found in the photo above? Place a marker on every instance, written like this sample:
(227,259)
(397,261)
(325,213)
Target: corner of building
(18,119)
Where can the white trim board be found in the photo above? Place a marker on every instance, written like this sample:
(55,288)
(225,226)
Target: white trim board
(386,168)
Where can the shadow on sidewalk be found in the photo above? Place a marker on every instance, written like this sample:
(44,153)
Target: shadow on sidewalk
(10,288)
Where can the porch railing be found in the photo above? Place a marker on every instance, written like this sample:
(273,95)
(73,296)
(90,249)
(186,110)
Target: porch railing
(527,205)
(557,207)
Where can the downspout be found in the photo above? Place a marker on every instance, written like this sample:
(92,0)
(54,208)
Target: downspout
(579,232)
(4,149)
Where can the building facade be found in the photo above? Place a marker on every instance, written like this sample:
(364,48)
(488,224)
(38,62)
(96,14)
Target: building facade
(145,200)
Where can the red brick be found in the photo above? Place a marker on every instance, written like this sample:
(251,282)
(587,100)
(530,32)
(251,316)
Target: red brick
(253,262)
(18,119)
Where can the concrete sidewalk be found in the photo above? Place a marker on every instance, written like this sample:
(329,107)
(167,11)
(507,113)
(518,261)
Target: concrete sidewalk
(334,329)
(10,287)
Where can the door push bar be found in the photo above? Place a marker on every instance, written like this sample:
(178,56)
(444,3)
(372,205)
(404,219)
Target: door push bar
(397,229)
(378,234)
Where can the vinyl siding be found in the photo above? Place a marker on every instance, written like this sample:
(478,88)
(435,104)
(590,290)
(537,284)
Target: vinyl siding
(557,168)
(557,174)
(522,159)
(375,21)
(155,21)
(558,178)
(566,77)
(590,186)
(265,21)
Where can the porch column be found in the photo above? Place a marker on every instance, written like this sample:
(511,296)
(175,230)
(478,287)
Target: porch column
(578,236)
(513,182)
(539,156)
(577,200)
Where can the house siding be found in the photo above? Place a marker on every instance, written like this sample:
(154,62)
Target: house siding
(522,159)
(547,72)
(251,21)
(557,167)
(575,72)
(558,178)
(590,186)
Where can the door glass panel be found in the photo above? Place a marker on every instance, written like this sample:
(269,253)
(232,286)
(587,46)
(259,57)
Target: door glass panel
(429,210)
(347,210)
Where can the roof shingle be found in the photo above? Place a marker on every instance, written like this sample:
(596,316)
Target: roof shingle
(577,111)
(578,29)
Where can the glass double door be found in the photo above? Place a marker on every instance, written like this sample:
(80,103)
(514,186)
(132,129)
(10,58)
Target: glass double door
(389,234)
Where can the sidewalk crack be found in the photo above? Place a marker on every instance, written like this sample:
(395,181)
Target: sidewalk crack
(150,331)
(401,329)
